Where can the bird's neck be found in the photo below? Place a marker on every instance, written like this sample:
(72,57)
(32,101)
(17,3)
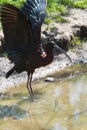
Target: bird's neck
(49,51)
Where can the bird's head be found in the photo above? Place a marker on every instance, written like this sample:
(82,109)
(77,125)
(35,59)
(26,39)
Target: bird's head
(42,50)
(52,45)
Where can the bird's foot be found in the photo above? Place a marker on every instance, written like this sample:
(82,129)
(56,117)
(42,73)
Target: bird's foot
(31,97)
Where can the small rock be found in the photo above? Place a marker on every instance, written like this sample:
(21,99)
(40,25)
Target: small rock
(49,79)
(81,61)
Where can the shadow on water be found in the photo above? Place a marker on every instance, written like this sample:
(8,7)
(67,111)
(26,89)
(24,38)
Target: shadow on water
(13,111)
(58,105)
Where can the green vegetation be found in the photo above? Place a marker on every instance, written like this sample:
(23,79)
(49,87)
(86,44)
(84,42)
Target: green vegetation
(60,5)
(0,25)
(60,19)
(48,20)
(77,41)
(80,4)
(56,18)
(17,3)
(54,5)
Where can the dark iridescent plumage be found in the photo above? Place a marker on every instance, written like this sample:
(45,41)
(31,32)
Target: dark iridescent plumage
(35,10)
(22,33)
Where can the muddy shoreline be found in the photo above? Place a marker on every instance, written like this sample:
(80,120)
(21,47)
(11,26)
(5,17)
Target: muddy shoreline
(60,62)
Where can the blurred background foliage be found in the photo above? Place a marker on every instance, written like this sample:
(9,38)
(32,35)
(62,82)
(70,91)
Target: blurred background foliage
(53,5)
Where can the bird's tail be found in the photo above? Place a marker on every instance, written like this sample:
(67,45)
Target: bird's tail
(10,72)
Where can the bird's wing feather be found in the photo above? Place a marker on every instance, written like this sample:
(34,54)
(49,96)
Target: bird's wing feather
(17,32)
(35,10)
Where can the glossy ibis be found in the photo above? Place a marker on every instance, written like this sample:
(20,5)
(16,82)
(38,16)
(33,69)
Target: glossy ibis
(22,33)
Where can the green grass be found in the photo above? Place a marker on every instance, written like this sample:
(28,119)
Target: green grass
(56,18)
(77,41)
(48,21)
(54,5)
(60,5)
(80,4)
(0,26)
(17,3)
(60,19)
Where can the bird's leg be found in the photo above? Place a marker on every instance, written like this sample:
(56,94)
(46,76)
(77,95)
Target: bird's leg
(29,86)
(30,83)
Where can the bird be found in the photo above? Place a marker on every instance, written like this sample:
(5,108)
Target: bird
(22,34)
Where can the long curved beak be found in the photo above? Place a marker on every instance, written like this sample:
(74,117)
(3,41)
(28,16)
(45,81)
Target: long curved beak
(61,50)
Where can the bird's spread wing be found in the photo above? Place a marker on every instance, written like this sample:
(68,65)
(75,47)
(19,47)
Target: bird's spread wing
(22,28)
(17,32)
(35,10)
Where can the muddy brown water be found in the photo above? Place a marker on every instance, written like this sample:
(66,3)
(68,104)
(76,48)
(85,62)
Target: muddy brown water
(58,105)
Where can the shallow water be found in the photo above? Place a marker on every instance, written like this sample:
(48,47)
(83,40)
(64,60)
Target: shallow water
(57,106)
